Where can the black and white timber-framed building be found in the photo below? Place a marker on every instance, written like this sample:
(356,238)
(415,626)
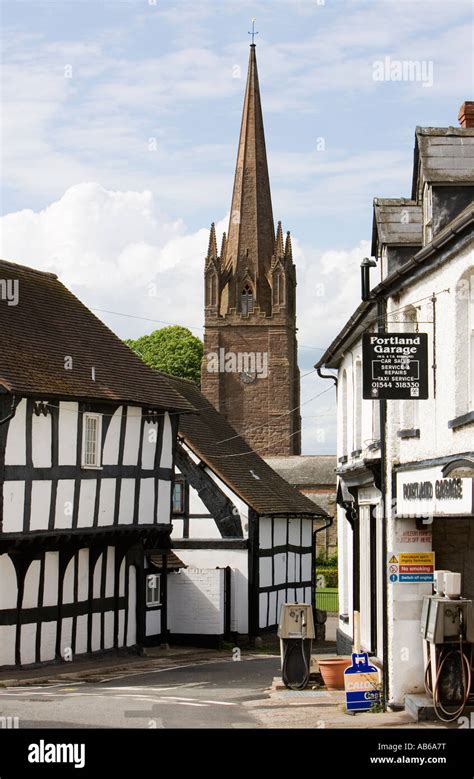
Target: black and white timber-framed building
(87,444)
(233,511)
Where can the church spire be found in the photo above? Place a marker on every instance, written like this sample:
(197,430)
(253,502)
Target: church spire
(251,235)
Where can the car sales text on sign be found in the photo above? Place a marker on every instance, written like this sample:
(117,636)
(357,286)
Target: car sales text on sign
(395,366)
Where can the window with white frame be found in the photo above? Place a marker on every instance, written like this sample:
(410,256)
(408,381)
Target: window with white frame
(464,341)
(344,414)
(358,406)
(427,214)
(179,496)
(153,589)
(91,440)
(376,421)
(471,342)
(409,419)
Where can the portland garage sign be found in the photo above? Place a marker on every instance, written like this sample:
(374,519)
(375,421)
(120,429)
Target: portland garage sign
(395,366)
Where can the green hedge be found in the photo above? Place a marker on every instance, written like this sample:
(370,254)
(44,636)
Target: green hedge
(326,562)
(329,573)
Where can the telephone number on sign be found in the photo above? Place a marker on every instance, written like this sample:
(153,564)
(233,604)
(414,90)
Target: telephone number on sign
(396,384)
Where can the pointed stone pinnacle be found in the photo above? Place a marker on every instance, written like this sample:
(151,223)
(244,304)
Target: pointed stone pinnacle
(223,247)
(279,250)
(212,248)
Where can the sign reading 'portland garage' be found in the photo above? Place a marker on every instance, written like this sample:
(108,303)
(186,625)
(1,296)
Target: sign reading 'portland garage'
(395,366)
(426,493)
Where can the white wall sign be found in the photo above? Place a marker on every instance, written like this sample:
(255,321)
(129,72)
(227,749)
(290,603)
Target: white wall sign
(426,493)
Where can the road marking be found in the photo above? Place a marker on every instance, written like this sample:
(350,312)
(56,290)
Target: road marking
(221,703)
(182,703)
(42,686)
(154,689)
(203,702)
(175,698)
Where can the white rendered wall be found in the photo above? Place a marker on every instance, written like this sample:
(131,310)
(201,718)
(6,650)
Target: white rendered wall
(196,601)
(237,560)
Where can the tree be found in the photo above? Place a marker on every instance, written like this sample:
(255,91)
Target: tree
(174,350)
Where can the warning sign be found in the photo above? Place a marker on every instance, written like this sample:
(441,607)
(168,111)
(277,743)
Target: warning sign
(411,567)
(416,558)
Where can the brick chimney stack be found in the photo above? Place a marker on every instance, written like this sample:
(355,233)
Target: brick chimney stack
(466,114)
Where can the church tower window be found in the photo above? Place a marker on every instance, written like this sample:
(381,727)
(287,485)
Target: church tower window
(247,300)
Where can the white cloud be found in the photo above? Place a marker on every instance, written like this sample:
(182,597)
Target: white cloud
(95,126)
(118,251)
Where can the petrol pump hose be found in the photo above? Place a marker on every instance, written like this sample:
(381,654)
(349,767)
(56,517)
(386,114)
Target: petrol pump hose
(294,651)
(443,714)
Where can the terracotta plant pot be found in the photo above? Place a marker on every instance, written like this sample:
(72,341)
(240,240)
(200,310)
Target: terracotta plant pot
(332,670)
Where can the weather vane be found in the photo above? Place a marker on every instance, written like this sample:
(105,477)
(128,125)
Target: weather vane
(253,33)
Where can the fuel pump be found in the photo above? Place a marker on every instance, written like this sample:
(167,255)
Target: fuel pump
(296,633)
(447,629)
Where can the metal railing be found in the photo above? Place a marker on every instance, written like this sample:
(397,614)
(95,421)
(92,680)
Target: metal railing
(327,599)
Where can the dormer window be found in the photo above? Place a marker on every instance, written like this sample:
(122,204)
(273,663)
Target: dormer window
(247,300)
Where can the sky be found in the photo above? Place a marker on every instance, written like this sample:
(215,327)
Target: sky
(120,123)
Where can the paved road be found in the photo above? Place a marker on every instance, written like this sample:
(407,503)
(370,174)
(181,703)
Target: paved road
(205,695)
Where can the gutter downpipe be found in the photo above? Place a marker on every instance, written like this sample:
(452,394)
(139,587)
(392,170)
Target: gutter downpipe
(314,578)
(11,413)
(381,327)
(3,441)
(330,519)
(326,376)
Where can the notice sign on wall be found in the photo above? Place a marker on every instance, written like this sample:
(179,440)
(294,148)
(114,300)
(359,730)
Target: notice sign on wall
(411,567)
(395,366)
(427,493)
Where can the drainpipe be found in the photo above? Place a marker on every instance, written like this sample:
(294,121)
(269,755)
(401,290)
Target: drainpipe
(329,523)
(381,326)
(326,376)
(11,413)
(365,267)
(3,443)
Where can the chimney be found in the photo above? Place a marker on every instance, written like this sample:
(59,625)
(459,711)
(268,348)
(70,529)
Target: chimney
(365,267)
(466,114)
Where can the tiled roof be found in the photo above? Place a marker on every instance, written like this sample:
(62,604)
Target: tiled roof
(52,346)
(444,155)
(217,444)
(309,470)
(397,221)
(174,563)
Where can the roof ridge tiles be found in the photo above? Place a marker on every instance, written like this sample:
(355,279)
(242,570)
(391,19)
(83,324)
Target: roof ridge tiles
(11,264)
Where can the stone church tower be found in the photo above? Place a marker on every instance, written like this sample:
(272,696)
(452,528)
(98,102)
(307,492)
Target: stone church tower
(250,371)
